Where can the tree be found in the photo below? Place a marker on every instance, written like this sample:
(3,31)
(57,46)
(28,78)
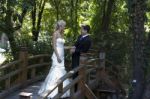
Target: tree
(11,20)
(37,10)
(137,18)
(107,12)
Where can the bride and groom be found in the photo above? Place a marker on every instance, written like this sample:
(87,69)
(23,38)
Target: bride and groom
(57,70)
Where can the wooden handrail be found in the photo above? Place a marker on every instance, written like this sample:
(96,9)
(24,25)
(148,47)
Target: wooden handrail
(39,56)
(21,68)
(10,74)
(38,65)
(69,74)
(76,80)
(89,70)
(89,93)
(66,76)
(10,64)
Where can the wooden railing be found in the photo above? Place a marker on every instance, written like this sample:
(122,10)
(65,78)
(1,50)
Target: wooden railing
(22,72)
(83,81)
(85,84)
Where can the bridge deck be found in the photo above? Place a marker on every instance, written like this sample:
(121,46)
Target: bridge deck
(32,89)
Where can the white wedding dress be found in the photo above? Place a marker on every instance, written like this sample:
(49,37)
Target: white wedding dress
(57,71)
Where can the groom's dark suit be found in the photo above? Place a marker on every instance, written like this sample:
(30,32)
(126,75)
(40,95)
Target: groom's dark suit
(82,45)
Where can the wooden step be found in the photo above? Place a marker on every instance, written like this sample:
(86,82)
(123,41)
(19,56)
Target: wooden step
(25,95)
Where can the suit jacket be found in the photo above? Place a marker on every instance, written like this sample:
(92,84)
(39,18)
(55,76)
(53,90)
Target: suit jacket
(82,44)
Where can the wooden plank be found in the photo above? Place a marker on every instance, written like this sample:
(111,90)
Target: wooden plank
(89,70)
(106,91)
(25,95)
(14,88)
(23,55)
(39,56)
(89,93)
(67,87)
(41,60)
(10,74)
(7,83)
(33,73)
(82,73)
(60,88)
(5,93)
(70,73)
(38,65)
(10,64)
(71,92)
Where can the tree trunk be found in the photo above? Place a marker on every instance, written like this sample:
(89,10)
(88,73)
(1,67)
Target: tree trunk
(10,27)
(147,91)
(36,21)
(13,45)
(12,21)
(57,7)
(137,28)
(72,14)
(107,15)
(76,17)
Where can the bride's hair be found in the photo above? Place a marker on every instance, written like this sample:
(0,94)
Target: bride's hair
(59,23)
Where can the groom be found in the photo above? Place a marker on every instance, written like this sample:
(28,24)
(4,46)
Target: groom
(82,45)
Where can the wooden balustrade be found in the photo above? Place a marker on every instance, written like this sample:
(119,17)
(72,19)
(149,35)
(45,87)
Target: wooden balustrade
(83,88)
(20,69)
(25,67)
(23,55)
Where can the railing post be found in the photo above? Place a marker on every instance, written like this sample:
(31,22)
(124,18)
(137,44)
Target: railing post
(101,67)
(102,59)
(60,88)
(23,56)
(7,83)
(82,73)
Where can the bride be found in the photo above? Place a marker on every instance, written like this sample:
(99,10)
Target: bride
(57,69)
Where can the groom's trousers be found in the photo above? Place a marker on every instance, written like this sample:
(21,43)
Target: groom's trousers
(75,64)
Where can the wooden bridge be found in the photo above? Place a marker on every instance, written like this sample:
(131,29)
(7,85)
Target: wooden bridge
(24,76)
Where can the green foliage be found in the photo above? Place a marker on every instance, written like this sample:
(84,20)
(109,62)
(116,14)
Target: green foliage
(40,47)
(116,41)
